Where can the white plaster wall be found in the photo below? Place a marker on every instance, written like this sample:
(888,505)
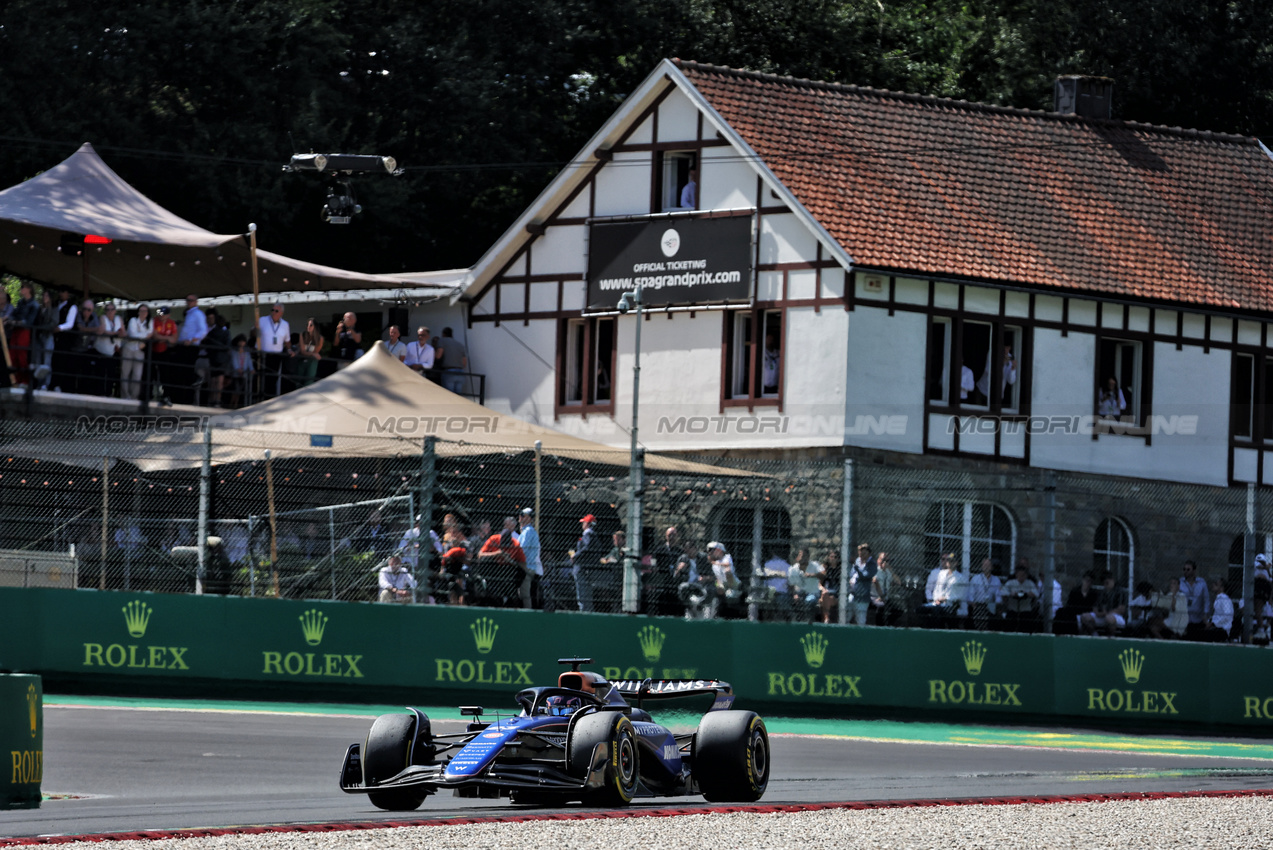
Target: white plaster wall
(518,362)
(884,379)
(785,239)
(559,250)
(725,181)
(678,119)
(623,185)
(1191,397)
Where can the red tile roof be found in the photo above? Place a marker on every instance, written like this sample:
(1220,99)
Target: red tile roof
(940,187)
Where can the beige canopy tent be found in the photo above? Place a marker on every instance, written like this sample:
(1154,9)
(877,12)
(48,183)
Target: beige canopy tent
(152,254)
(375,407)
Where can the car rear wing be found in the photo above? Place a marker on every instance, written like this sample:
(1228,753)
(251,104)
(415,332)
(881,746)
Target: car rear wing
(644,689)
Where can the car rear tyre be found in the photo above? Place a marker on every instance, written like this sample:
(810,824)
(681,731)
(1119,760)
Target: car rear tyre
(623,765)
(731,757)
(393,744)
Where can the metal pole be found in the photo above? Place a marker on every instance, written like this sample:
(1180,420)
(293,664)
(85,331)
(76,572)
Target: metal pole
(539,476)
(1248,564)
(1049,552)
(205,476)
(269,496)
(106,498)
(331,547)
(757,560)
(636,475)
(251,557)
(846,540)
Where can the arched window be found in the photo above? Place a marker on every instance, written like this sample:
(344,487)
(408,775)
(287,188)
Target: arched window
(1114,551)
(736,525)
(973,531)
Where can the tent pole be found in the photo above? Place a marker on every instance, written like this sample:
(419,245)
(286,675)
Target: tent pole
(256,309)
(106,497)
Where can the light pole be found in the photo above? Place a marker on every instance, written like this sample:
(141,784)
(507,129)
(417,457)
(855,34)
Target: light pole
(636,474)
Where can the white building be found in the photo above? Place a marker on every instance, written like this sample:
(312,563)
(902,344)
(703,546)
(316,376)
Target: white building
(938,277)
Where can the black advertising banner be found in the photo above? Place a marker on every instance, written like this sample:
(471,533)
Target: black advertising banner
(673,260)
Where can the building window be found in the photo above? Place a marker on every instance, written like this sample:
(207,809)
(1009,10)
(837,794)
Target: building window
(1252,388)
(973,531)
(1114,551)
(1122,370)
(670,176)
(754,354)
(975,364)
(586,365)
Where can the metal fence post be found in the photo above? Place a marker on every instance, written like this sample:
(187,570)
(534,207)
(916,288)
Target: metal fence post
(846,541)
(251,556)
(205,476)
(1248,564)
(757,561)
(1049,556)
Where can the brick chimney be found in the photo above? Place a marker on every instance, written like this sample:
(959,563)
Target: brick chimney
(1089,97)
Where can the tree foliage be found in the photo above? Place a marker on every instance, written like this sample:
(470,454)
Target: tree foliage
(198,103)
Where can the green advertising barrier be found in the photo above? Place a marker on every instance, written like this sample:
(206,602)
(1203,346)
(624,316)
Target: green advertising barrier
(352,650)
(21,740)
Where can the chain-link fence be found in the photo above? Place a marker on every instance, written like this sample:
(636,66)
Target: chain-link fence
(321,521)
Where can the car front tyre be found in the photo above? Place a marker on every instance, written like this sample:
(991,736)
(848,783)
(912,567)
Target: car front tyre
(388,752)
(731,757)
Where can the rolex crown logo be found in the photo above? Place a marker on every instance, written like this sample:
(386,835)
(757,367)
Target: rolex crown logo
(313,623)
(651,639)
(815,649)
(974,653)
(137,617)
(33,709)
(484,629)
(1132,661)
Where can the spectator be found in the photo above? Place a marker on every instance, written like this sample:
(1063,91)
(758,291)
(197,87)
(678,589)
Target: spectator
(163,367)
(689,192)
(452,358)
(608,592)
(1220,623)
(967,383)
(1009,377)
(930,586)
(861,576)
(273,333)
(217,345)
(1195,590)
(65,341)
(396,584)
(85,367)
(1110,612)
(698,589)
(311,351)
(420,352)
(528,539)
(1141,612)
(110,330)
(1082,600)
(241,371)
(26,315)
(884,589)
(804,583)
(661,588)
(141,328)
(450,582)
(46,321)
(1020,600)
(478,536)
(770,366)
(1173,605)
(585,563)
(983,594)
(347,346)
(194,327)
(397,348)
(774,595)
(1111,403)
(947,594)
(501,564)
(830,586)
(729,590)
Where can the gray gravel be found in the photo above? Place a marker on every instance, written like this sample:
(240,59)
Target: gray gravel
(1210,822)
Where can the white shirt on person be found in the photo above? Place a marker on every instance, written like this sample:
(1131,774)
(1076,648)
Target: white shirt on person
(419,354)
(138,333)
(104,343)
(274,336)
(396,579)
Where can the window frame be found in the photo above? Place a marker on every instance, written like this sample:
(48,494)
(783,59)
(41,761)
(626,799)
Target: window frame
(753,357)
(1137,422)
(949,379)
(665,177)
(589,327)
(1101,558)
(967,540)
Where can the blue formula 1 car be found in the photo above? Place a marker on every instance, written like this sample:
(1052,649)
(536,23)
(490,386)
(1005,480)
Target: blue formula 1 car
(579,741)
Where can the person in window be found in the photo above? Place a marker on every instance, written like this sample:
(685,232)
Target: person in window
(769,368)
(1009,376)
(689,194)
(1111,404)
(967,383)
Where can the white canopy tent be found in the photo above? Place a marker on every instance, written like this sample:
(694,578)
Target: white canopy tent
(153,254)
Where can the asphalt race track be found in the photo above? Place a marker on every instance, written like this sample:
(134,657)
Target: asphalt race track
(111,769)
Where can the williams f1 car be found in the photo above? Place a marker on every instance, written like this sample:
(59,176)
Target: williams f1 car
(579,741)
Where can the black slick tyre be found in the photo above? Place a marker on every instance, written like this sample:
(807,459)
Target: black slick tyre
(389,750)
(623,763)
(731,757)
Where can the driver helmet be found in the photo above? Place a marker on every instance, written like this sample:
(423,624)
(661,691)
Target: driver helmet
(561,705)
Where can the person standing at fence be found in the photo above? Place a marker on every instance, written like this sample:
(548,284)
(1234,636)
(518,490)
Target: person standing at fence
(396,584)
(194,327)
(1195,590)
(25,314)
(396,347)
(585,561)
(607,590)
(85,368)
(347,345)
(132,359)
(64,343)
(452,358)
(110,333)
(884,592)
(420,352)
(528,539)
(162,369)
(983,594)
(861,576)
(272,335)
(500,566)
(42,349)
(660,588)
(729,589)
(1020,601)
